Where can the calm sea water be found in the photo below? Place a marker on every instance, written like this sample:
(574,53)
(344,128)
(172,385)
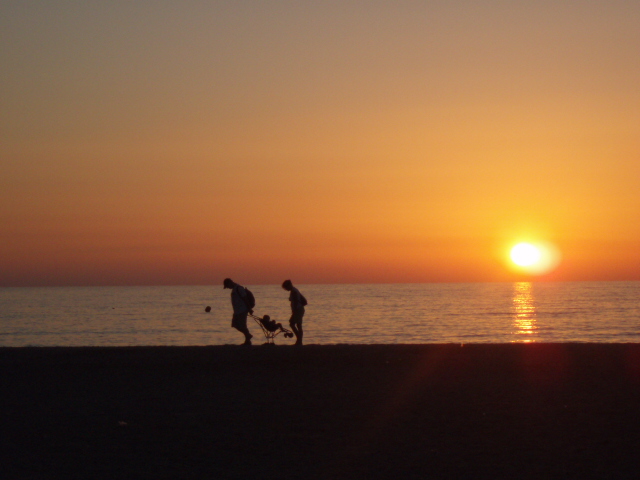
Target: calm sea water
(359,314)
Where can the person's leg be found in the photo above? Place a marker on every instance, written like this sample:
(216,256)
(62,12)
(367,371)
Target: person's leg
(247,335)
(240,323)
(294,329)
(296,326)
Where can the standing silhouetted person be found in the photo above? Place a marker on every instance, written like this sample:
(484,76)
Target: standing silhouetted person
(241,309)
(297,309)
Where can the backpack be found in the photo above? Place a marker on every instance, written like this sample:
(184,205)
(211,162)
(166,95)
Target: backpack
(249,299)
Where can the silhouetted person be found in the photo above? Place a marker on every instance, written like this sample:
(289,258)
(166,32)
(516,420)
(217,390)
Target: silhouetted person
(298,303)
(240,308)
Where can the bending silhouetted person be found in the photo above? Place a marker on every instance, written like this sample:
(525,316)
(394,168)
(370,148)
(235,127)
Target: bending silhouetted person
(241,310)
(298,303)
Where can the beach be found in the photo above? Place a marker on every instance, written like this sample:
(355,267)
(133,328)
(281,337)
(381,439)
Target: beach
(322,411)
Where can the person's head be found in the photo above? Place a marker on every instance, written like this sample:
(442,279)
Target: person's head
(228,283)
(266,318)
(287,285)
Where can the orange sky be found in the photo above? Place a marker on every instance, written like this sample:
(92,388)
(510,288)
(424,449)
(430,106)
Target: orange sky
(183,142)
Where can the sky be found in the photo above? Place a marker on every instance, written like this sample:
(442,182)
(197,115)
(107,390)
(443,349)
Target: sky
(170,143)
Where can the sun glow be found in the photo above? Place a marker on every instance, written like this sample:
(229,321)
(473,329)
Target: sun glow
(535,258)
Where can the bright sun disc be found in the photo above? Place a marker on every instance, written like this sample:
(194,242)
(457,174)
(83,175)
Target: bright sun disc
(525,254)
(536,258)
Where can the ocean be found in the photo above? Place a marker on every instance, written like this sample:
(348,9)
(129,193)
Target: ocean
(600,312)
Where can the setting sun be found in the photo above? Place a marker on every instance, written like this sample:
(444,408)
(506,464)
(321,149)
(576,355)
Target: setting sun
(535,258)
(525,254)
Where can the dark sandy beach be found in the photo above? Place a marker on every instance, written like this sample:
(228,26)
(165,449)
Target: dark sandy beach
(348,411)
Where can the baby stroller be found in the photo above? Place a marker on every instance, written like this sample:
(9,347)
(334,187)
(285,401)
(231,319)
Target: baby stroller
(271,328)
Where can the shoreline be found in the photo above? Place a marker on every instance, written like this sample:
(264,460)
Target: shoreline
(555,410)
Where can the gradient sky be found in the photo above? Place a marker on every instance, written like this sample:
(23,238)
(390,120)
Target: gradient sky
(163,142)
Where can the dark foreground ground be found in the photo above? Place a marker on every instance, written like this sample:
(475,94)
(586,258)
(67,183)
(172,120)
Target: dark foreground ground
(386,411)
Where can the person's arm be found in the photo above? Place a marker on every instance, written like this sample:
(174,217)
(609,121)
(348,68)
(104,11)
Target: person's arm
(295,298)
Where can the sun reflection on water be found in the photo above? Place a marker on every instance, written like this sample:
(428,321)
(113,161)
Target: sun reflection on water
(524,311)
